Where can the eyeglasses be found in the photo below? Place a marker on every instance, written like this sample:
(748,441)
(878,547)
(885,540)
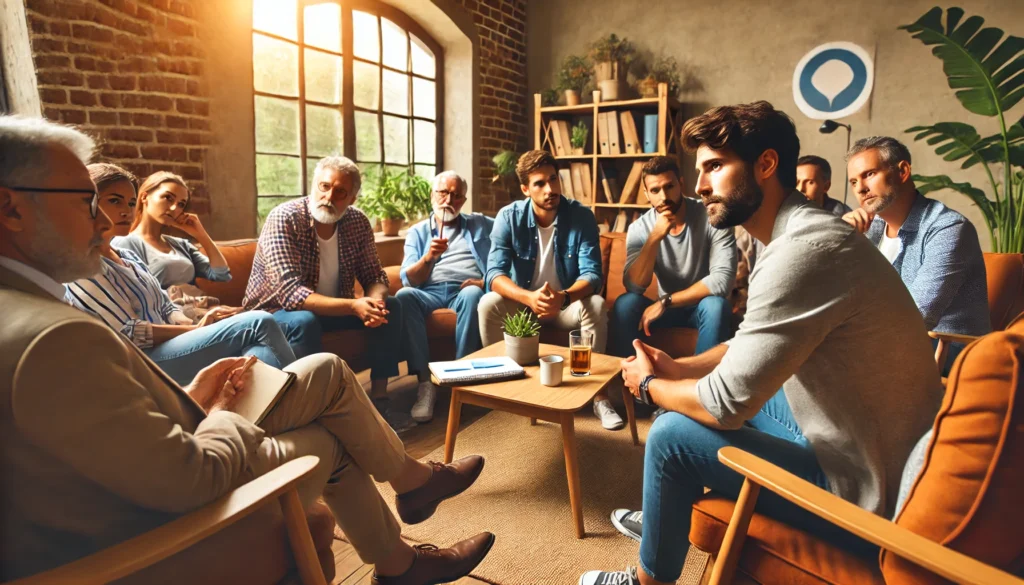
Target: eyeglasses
(450,194)
(94,204)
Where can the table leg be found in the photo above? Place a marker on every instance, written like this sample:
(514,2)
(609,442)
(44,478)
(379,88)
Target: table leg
(627,399)
(454,414)
(533,422)
(572,470)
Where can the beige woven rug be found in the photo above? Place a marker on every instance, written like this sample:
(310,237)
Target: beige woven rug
(523,498)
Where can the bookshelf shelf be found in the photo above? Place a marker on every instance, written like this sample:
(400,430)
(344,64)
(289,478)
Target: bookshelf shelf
(597,174)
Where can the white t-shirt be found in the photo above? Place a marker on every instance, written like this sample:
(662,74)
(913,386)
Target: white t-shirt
(889,247)
(328,283)
(544,269)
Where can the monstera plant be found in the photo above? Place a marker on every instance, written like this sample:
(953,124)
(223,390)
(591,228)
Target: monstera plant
(986,72)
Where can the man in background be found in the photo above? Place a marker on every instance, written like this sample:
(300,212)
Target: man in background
(814,179)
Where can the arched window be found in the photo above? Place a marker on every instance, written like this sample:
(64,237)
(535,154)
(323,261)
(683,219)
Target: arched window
(351,77)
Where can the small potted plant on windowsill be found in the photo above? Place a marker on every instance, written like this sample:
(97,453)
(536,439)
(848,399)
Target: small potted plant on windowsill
(579,138)
(393,197)
(522,337)
(573,78)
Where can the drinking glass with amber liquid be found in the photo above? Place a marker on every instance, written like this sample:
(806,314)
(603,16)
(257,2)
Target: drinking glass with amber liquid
(580,343)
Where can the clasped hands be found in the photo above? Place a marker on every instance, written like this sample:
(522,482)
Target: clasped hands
(217,386)
(546,302)
(647,361)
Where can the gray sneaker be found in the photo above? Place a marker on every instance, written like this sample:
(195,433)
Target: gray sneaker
(627,577)
(629,522)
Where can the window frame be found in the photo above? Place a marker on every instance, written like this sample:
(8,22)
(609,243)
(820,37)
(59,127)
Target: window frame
(347,106)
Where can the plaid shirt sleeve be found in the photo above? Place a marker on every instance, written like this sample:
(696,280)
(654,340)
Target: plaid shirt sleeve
(366,267)
(284,248)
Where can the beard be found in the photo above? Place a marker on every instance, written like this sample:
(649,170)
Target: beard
(670,206)
(881,201)
(54,256)
(738,205)
(326,213)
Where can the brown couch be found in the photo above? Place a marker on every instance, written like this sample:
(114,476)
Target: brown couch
(351,345)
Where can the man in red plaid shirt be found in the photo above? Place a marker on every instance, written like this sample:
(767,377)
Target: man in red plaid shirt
(310,252)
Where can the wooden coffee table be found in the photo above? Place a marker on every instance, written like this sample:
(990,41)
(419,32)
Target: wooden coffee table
(527,397)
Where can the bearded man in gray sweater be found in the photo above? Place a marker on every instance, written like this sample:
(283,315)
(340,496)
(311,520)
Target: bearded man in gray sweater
(827,319)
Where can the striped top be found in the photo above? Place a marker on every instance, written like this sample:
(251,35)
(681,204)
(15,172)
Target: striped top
(127,298)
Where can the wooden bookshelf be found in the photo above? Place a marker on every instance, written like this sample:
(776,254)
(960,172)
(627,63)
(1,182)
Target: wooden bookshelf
(669,124)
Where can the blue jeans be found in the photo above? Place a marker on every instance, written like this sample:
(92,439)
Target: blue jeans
(711,317)
(418,303)
(303,331)
(249,333)
(682,457)
(385,342)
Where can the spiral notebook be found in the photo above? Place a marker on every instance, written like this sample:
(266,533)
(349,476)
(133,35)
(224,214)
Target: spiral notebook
(476,371)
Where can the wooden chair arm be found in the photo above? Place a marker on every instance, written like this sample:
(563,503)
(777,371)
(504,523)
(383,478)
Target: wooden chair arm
(160,543)
(946,562)
(952,337)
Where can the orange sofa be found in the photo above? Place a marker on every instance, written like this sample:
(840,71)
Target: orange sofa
(351,345)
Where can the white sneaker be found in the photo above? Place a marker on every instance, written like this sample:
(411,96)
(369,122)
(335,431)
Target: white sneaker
(627,577)
(610,419)
(423,410)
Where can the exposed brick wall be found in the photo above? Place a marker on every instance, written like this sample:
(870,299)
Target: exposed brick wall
(129,72)
(501,25)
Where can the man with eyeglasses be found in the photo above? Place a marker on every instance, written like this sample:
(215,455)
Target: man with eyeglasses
(310,253)
(444,266)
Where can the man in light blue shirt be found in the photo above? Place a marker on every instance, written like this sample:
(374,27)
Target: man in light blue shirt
(934,248)
(444,266)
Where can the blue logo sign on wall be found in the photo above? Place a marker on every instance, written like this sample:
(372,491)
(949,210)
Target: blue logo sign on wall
(833,80)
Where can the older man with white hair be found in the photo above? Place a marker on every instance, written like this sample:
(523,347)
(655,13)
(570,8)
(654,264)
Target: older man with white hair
(94,429)
(444,266)
(309,255)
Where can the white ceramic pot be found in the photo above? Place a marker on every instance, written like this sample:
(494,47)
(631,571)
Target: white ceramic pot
(523,350)
(609,89)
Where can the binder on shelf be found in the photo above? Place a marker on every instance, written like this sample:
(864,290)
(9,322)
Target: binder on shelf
(556,138)
(613,134)
(631,143)
(565,178)
(629,190)
(577,182)
(620,222)
(563,131)
(609,184)
(588,189)
(602,132)
(651,133)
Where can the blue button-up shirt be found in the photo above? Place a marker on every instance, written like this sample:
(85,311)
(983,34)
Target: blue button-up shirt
(417,240)
(940,261)
(515,244)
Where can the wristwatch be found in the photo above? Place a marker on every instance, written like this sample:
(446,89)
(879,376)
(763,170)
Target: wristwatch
(566,301)
(666,301)
(645,384)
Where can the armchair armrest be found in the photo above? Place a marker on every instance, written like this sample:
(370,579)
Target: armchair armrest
(152,547)
(946,562)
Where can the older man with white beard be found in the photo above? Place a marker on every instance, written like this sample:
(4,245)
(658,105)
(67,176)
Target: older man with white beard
(309,255)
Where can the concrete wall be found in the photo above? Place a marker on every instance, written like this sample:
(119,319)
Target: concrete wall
(736,51)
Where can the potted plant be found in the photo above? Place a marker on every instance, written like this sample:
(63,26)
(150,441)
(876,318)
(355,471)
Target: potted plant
(663,70)
(573,77)
(505,171)
(522,337)
(579,137)
(973,69)
(611,57)
(393,196)
(549,97)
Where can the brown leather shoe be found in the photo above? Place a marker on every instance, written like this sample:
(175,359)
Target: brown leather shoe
(445,481)
(432,565)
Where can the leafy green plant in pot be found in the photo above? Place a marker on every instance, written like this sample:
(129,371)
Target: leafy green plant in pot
(986,76)
(579,137)
(392,196)
(522,337)
(612,58)
(663,70)
(573,77)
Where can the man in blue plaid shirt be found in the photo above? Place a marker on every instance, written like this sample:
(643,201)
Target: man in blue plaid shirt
(310,253)
(934,248)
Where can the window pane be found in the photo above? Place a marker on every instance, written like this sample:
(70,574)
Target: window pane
(277,125)
(366,93)
(367,137)
(396,92)
(365,42)
(426,171)
(323,77)
(423,62)
(322,26)
(264,205)
(396,140)
(424,98)
(395,45)
(277,17)
(323,131)
(425,136)
(311,171)
(275,66)
(278,175)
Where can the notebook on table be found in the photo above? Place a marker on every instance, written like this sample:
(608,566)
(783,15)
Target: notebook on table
(266,385)
(476,371)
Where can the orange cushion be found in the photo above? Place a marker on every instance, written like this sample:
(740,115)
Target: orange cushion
(613,258)
(239,254)
(967,495)
(1005,276)
(774,552)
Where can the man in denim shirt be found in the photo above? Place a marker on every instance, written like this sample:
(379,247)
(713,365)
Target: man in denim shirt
(545,256)
(444,265)
(934,248)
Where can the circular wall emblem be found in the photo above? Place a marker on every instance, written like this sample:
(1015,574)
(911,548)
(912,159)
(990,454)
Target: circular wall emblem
(833,80)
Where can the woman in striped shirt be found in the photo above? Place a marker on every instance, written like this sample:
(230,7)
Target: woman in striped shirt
(130,299)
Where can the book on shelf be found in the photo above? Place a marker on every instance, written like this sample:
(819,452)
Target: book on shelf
(613,133)
(577,182)
(610,184)
(630,188)
(476,371)
(588,188)
(562,128)
(620,222)
(631,142)
(565,178)
(556,139)
(650,133)
(602,132)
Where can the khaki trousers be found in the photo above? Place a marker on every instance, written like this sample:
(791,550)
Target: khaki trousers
(588,314)
(327,413)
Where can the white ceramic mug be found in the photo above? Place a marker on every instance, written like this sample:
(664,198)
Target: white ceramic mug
(551,370)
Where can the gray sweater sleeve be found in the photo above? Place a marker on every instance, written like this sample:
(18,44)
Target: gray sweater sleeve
(636,237)
(799,298)
(721,262)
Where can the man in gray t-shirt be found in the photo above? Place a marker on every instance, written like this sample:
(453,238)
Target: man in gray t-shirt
(828,320)
(694,262)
